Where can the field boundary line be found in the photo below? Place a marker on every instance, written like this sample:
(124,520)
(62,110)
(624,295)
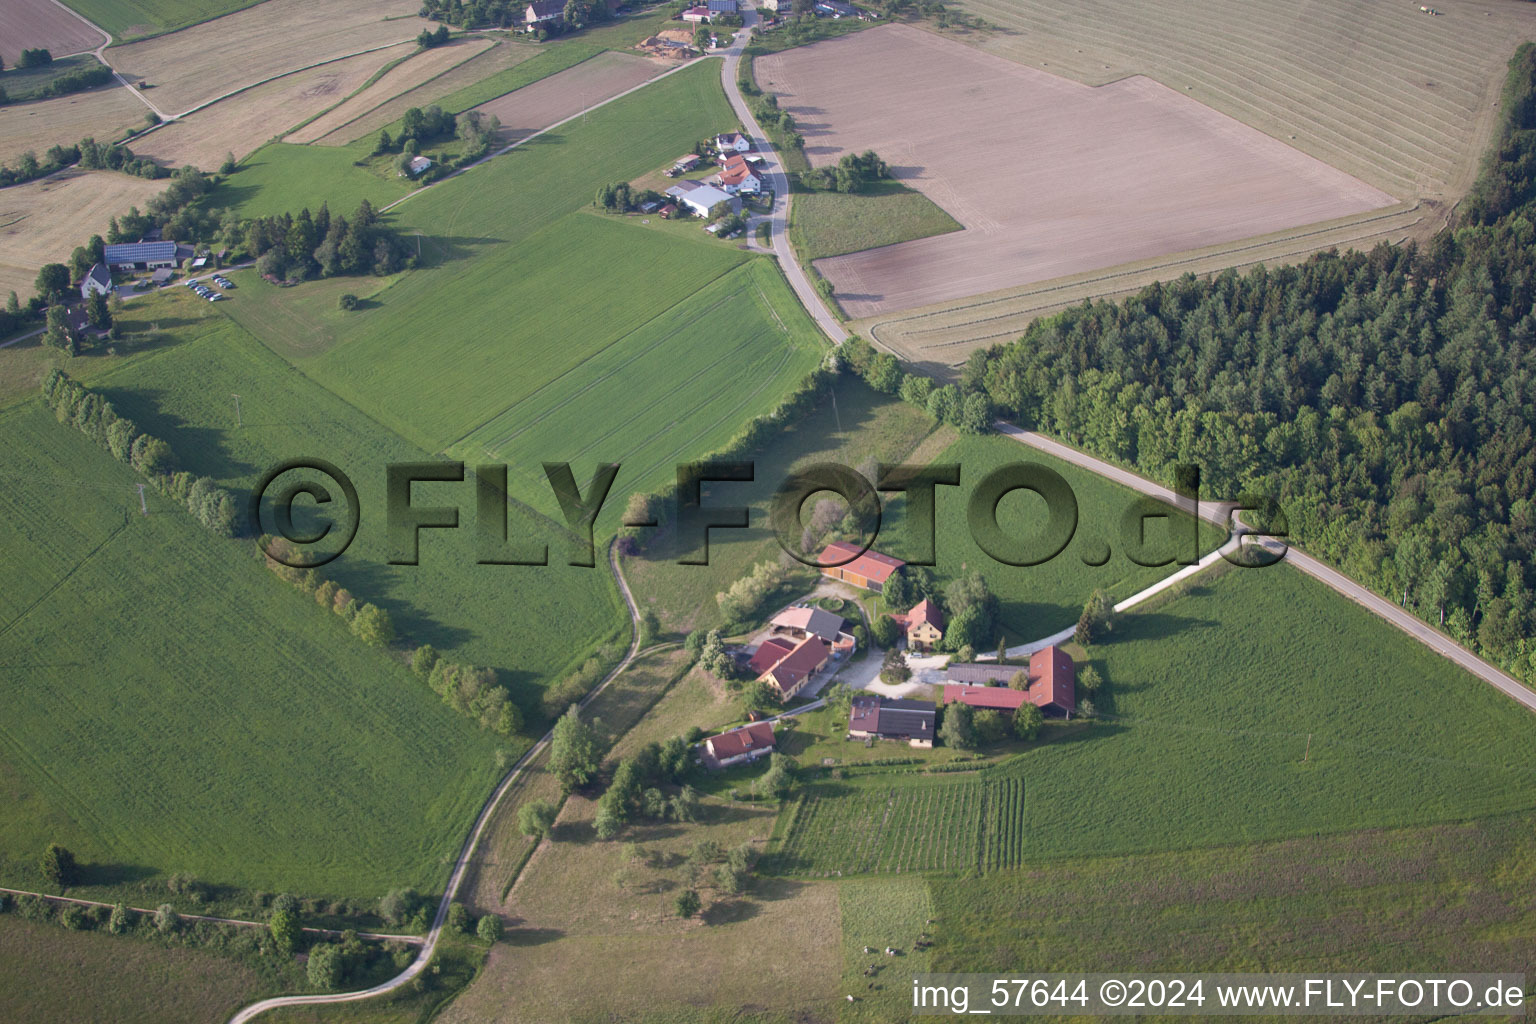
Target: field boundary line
(331,932)
(45,595)
(472,842)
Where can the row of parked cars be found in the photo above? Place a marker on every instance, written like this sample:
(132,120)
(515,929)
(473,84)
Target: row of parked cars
(208,293)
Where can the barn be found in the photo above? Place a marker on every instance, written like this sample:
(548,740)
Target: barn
(140,255)
(865,569)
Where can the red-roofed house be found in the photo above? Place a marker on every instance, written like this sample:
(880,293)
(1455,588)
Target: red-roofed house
(998,698)
(745,744)
(924,625)
(773,650)
(737,176)
(696,14)
(790,673)
(868,570)
(1053,681)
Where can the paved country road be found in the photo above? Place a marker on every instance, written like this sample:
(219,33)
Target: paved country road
(1217,512)
(471,845)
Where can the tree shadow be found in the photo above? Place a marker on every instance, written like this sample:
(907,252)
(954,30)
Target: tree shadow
(532,936)
(731,910)
(105,874)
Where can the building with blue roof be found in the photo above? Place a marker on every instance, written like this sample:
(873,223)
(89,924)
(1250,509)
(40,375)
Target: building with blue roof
(140,255)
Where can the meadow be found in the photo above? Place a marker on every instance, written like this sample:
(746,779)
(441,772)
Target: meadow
(832,223)
(281,177)
(103,113)
(463,608)
(175,707)
(130,19)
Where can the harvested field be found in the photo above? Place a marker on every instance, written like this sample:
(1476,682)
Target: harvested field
(1400,99)
(202,63)
(416,70)
(42,221)
(243,123)
(1082,178)
(480,71)
(25,24)
(102,113)
(563,95)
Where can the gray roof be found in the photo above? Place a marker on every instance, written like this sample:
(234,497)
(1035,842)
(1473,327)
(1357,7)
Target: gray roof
(907,718)
(983,674)
(140,252)
(100,274)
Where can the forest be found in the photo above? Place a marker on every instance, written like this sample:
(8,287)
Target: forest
(1385,398)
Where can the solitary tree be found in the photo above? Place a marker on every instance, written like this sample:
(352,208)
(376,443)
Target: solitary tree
(58,865)
(687,903)
(1096,620)
(489,928)
(573,751)
(536,818)
(894,668)
(52,282)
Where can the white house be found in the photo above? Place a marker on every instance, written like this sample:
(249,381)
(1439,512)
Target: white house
(543,12)
(418,165)
(700,198)
(738,177)
(696,15)
(732,142)
(97,282)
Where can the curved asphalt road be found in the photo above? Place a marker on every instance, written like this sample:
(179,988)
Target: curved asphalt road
(461,866)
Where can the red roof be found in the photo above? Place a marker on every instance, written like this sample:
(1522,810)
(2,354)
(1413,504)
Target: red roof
(999,698)
(870,564)
(790,670)
(769,654)
(1053,679)
(925,611)
(757,736)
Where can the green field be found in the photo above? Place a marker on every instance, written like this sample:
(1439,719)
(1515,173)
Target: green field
(283,177)
(174,707)
(956,824)
(876,913)
(1212,701)
(131,19)
(831,223)
(448,600)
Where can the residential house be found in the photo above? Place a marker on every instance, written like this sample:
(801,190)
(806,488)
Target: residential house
(543,13)
(140,255)
(875,717)
(805,620)
(701,198)
(417,166)
(862,568)
(732,142)
(924,625)
(696,14)
(989,674)
(1053,681)
(738,176)
(773,5)
(790,673)
(995,698)
(97,282)
(747,743)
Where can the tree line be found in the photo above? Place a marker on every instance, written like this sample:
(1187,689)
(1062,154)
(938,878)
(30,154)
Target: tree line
(94,416)
(88,153)
(1386,399)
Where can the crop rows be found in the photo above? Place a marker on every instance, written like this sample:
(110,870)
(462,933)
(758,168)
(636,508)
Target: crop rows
(928,826)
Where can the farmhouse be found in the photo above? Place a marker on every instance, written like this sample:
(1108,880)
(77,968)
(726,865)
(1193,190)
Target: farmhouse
(701,198)
(97,282)
(1053,681)
(417,165)
(805,621)
(140,255)
(866,569)
(875,717)
(981,675)
(543,12)
(924,625)
(696,14)
(737,176)
(732,142)
(769,653)
(790,673)
(739,745)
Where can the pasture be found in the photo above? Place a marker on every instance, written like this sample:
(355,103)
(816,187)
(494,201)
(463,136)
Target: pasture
(831,223)
(671,389)
(42,221)
(878,826)
(212,59)
(1430,898)
(1084,178)
(199,715)
(103,113)
(878,912)
(128,19)
(567,93)
(284,178)
(50,973)
(416,70)
(243,123)
(450,601)
(28,24)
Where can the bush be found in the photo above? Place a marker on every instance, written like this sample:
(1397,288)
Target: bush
(166,919)
(347,301)
(458,918)
(73,917)
(399,905)
(121,919)
(324,968)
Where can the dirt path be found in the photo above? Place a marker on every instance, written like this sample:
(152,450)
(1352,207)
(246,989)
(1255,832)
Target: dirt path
(461,866)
